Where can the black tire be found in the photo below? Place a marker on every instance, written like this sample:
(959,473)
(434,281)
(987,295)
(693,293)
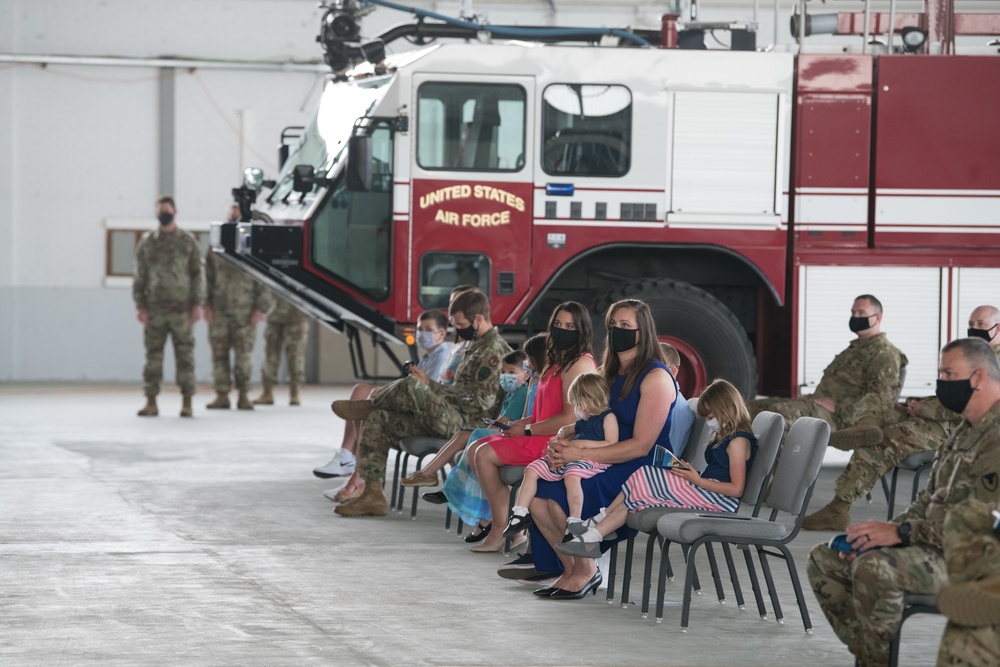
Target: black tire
(694,316)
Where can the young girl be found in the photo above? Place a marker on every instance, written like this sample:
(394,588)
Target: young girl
(718,489)
(597,427)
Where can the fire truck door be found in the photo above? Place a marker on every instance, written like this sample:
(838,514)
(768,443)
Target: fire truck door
(471,205)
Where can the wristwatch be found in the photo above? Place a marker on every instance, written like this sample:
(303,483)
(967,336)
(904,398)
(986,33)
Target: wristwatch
(903,530)
(527,429)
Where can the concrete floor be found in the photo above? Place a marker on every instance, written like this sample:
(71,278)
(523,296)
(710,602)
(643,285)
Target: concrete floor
(206,541)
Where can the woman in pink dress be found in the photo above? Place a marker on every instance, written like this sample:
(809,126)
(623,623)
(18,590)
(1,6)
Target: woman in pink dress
(568,355)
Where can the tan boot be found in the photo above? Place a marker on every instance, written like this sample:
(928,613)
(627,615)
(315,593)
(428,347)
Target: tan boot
(835,516)
(221,402)
(371,502)
(973,603)
(150,410)
(265,397)
(865,434)
(352,410)
(243,402)
(186,407)
(293,395)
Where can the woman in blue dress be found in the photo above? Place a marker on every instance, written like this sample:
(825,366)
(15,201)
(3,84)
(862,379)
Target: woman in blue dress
(643,394)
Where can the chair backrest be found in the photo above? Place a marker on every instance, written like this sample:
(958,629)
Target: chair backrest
(694,450)
(768,427)
(798,467)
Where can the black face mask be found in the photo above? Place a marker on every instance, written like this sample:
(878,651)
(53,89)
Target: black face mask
(954,394)
(165,218)
(982,333)
(468,333)
(563,339)
(622,340)
(859,323)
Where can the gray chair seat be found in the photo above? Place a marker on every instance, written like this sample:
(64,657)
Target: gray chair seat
(917,460)
(687,528)
(421,445)
(645,520)
(511,475)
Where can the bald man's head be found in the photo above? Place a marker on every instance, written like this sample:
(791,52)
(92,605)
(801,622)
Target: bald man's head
(983,323)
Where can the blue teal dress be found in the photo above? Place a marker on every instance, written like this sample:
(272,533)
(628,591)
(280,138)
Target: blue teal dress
(599,491)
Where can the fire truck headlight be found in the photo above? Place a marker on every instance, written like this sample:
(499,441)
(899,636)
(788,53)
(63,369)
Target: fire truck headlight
(253,178)
(913,39)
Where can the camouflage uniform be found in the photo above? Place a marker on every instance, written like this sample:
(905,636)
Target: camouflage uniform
(168,284)
(233,297)
(287,327)
(409,407)
(862,598)
(862,379)
(972,552)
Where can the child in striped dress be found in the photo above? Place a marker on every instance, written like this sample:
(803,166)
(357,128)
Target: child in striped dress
(597,427)
(718,489)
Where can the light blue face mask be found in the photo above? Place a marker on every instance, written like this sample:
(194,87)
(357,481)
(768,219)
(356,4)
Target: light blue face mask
(509,382)
(532,373)
(425,339)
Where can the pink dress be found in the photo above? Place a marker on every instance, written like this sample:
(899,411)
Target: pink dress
(548,403)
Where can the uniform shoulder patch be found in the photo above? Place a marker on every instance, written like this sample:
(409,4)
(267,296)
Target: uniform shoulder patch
(484,373)
(990,481)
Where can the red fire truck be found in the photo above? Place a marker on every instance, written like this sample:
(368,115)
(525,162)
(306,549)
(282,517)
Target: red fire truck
(594,165)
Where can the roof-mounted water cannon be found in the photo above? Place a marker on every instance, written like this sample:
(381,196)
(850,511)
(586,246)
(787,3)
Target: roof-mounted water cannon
(246,195)
(340,35)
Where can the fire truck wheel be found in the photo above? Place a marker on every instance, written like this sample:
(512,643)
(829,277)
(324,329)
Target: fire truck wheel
(710,339)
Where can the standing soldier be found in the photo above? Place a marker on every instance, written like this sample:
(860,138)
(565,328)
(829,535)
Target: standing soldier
(234,304)
(287,327)
(168,291)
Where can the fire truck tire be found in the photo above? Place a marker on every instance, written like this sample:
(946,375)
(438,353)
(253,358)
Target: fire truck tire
(689,314)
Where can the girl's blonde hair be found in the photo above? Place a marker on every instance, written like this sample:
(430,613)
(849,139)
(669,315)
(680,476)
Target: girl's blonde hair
(589,392)
(723,400)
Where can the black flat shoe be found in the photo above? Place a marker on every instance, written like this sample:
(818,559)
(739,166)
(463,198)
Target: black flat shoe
(591,587)
(436,497)
(546,591)
(516,524)
(472,538)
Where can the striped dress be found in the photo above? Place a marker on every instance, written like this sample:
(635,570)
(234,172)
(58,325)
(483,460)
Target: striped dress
(586,429)
(650,486)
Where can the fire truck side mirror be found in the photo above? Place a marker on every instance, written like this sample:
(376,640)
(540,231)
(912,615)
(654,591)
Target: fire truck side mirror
(303,178)
(359,163)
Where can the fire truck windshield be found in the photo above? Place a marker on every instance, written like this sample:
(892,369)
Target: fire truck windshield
(324,142)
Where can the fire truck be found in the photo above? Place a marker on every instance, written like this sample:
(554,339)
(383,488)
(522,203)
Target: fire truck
(553,164)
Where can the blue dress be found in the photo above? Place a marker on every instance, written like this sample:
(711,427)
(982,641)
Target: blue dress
(599,491)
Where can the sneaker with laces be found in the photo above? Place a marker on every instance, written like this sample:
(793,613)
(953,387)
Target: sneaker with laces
(340,465)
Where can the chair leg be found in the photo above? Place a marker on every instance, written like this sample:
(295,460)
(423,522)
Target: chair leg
(733,578)
(689,552)
(800,598)
(916,481)
(647,573)
(710,551)
(892,499)
(772,591)
(395,478)
(447,518)
(401,473)
(754,582)
(661,582)
(627,574)
(612,567)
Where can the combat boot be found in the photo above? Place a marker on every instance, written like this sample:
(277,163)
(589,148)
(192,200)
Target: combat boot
(186,407)
(293,395)
(352,410)
(973,603)
(866,433)
(265,397)
(150,410)
(371,502)
(221,402)
(243,402)
(835,516)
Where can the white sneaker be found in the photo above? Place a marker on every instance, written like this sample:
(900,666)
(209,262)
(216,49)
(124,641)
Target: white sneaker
(340,465)
(331,494)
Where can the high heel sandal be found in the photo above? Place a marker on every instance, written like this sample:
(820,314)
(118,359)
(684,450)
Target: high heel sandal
(590,587)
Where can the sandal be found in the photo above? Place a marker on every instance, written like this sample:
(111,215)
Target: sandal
(516,524)
(350,491)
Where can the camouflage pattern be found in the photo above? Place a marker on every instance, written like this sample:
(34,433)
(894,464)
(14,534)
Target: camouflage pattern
(409,407)
(862,598)
(971,552)
(168,284)
(233,297)
(287,328)
(863,379)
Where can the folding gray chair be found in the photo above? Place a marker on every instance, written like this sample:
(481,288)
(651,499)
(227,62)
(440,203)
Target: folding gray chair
(917,463)
(412,445)
(769,427)
(794,480)
(512,476)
